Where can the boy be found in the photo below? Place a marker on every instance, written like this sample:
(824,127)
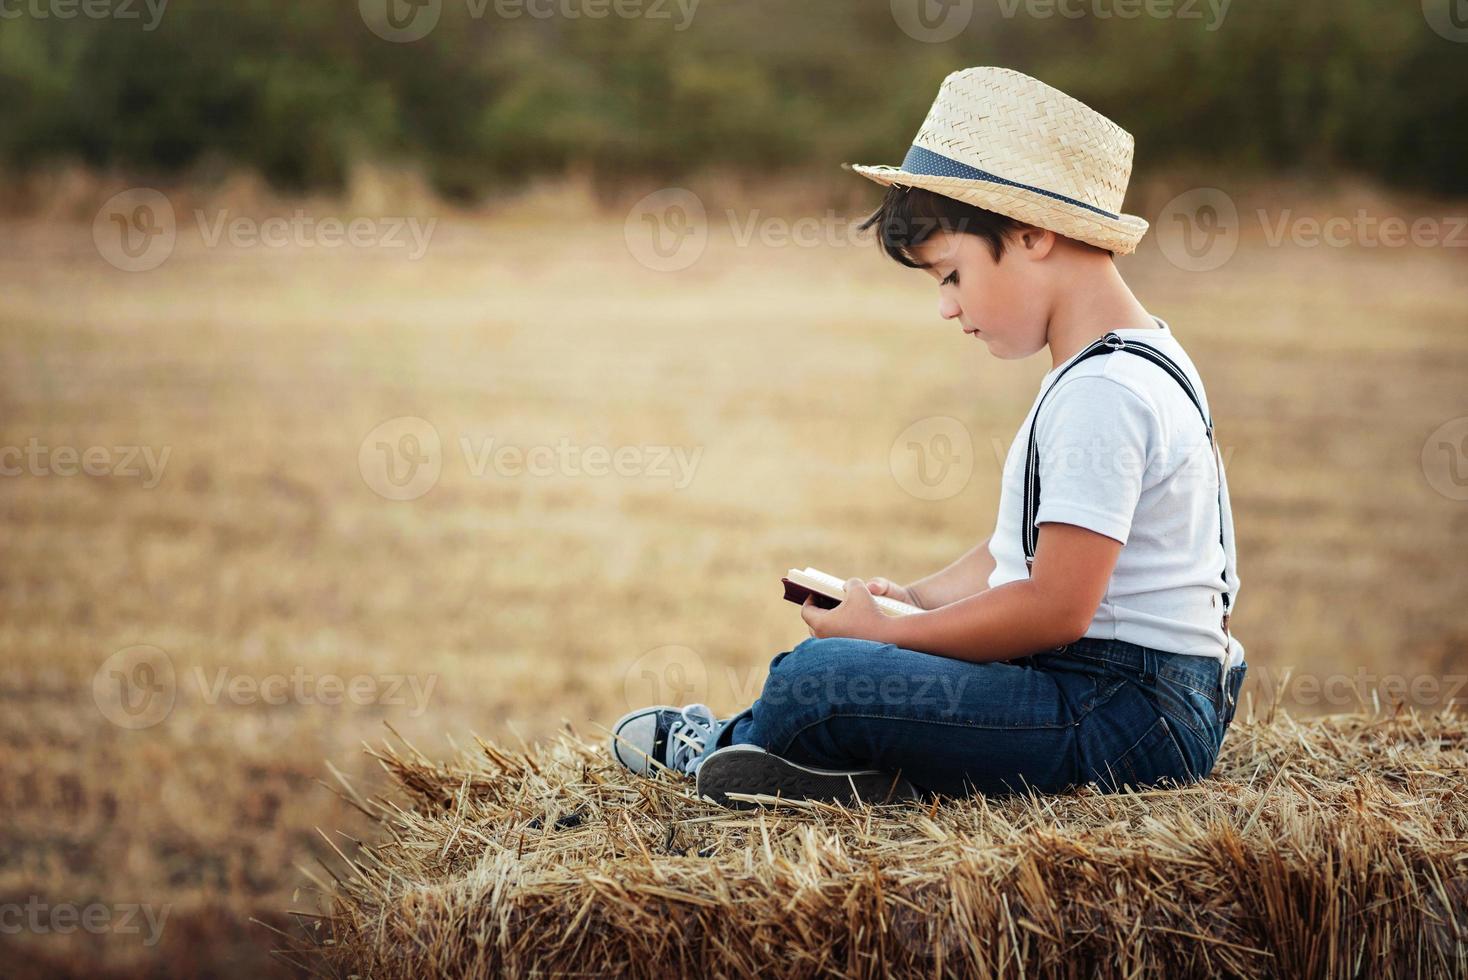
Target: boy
(1086,640)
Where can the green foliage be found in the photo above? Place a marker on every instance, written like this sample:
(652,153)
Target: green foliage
(299,90)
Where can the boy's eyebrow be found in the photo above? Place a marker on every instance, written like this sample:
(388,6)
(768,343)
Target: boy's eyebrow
(929,266)
(943,259)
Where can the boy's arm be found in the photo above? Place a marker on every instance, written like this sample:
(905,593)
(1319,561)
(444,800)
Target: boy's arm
(1054,606)
(968,575)
(1084,517)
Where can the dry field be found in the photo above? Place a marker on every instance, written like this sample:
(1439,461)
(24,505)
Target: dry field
(189,645)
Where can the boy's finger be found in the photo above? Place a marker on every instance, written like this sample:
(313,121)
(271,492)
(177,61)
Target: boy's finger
(809,611)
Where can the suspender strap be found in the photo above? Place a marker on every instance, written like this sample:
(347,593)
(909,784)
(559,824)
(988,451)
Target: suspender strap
(1028,532)
(1108,344)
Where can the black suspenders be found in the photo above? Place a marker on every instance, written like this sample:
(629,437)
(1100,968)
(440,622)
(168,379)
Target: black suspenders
(1029,533)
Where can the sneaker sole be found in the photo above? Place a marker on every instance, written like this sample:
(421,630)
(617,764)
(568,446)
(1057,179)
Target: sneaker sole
(751,769)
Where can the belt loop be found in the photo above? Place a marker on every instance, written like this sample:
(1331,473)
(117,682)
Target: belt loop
(1149,668)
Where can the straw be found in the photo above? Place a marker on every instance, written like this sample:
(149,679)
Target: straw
(1334,846)
(1017,128)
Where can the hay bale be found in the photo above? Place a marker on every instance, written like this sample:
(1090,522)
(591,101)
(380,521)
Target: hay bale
(1336,846)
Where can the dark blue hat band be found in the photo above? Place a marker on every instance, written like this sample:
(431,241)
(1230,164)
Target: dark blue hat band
(920,160)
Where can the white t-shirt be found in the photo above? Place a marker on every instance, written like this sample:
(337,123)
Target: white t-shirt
(1123,452)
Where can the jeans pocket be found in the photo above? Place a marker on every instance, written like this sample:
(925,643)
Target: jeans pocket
(1154,759)
(1197,723)
(1086,683)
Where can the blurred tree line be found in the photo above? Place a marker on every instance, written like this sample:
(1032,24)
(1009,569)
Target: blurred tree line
(299,89)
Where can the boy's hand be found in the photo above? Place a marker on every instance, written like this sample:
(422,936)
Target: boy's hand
(886,587)
(857,616)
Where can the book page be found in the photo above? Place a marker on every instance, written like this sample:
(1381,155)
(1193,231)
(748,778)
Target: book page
(836,587)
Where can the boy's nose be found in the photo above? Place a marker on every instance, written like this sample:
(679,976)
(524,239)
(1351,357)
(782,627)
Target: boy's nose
(947,308)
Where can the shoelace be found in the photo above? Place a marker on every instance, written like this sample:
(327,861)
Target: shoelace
(689,735)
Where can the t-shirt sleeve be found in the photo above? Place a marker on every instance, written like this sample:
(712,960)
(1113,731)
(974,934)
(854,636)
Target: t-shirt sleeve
(1095,440)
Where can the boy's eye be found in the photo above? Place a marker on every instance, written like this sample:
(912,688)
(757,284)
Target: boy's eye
(951,279)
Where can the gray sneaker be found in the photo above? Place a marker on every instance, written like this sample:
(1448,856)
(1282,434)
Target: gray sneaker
(751,769)
(663,736)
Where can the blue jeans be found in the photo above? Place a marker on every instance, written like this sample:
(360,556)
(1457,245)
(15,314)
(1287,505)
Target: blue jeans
(1094,711)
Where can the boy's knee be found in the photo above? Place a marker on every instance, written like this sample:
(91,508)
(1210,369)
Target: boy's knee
(800,677)
(833,648)
(818,672)
(816,655)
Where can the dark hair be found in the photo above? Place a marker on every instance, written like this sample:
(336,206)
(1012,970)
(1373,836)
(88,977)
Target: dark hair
(908,216)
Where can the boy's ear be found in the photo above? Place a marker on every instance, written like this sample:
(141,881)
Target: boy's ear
(1036,242)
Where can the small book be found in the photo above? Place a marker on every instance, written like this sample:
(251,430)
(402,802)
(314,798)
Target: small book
(828,591)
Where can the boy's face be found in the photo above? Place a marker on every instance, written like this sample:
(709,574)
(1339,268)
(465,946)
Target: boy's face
(1004,303)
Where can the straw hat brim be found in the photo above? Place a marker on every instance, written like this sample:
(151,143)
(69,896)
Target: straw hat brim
(1120,234)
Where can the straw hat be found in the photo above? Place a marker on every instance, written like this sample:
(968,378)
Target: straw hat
(1001,140)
